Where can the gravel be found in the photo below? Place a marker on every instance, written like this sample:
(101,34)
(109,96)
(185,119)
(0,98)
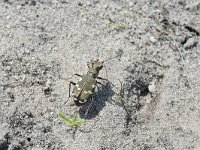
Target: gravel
(153,101)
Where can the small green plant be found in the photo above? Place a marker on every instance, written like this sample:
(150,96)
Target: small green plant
(117,26)
(72,122)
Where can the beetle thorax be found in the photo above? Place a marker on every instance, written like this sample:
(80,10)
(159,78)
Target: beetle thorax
(93,72)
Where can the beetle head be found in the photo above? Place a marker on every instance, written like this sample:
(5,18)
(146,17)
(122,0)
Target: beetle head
(95,64)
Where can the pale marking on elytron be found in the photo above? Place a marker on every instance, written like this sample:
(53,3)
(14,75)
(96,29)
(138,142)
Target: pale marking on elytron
(78,87)
(90,74)
(80,79)
(83,101)
(93,86)
(85,92)
(90,92)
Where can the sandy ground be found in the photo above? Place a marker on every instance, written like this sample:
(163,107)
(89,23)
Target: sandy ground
(43,43)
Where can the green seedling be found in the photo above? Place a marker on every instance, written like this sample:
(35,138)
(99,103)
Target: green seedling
(117,26)
(72,122)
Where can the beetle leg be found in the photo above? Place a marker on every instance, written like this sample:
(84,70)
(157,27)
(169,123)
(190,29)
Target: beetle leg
(100,83)
(105,80)
(70,83)
(91,101)
(78,75)
(102,78)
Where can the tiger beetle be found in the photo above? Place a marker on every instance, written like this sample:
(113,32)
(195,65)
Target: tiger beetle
(85,87)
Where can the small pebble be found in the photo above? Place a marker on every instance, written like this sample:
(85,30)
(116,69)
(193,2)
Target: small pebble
(8,17)
(27,52)
(132,40)
(119,8)
(48,83)
(152,39)
(19,7)
(131,4)
(16,78)
(8,68)
(84,19)
(8,26)
(152,87)
(105,6)
(88,3)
